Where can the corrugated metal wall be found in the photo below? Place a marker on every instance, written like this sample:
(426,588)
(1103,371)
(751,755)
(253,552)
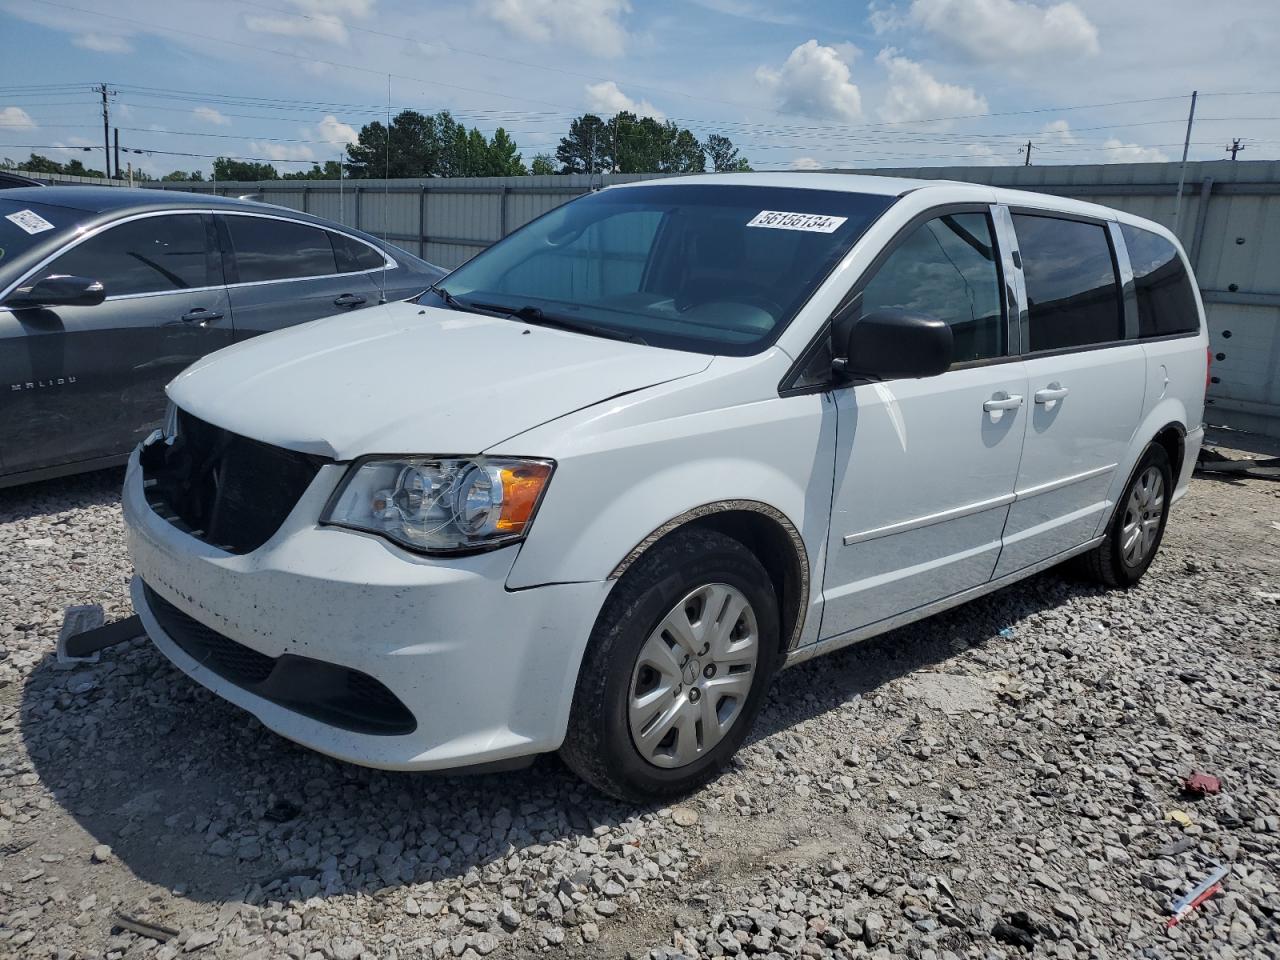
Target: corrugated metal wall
(1229,222)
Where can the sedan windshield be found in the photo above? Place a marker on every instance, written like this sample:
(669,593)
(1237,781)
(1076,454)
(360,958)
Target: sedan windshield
(708,268)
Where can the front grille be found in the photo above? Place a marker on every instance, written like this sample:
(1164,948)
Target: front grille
(227,490)
(332,694)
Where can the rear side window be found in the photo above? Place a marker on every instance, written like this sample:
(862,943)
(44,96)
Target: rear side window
(279,249)
(946,268)
(1073,294)
(354,256)
(148,255)
(1166,302)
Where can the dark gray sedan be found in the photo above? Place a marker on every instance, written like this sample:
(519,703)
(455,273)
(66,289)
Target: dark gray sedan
(106,293)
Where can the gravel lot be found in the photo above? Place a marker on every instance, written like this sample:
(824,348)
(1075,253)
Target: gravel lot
(995,782)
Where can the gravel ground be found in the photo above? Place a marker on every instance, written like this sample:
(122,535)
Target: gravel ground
(999,781)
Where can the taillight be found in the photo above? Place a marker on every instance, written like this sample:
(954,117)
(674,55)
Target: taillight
(1208,359)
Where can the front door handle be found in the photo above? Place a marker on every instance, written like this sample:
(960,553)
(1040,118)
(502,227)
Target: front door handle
(1002,401)
(348,300)
(199,315)
(1051,393)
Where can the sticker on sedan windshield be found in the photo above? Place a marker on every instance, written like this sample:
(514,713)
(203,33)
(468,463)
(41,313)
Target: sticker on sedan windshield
(30,221)
(812,222)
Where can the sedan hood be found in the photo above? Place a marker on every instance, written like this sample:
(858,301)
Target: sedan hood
(402,378)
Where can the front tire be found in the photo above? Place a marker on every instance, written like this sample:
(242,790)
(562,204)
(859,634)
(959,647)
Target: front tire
(676,670)
(1137,527)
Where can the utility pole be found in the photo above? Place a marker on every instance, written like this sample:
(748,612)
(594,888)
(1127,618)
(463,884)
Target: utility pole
(1236,147)
(106,128)
(1182,172)
(116,132)
(1026,161)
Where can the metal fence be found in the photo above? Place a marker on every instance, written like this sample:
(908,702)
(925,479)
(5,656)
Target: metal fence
(1229,222)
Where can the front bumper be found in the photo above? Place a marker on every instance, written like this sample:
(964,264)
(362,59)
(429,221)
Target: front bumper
(487,673)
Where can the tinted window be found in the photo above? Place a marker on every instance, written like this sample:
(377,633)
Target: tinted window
(279,249)
(1073,296)
(1166,302)
(354,256)
(149,255)
(946,268)
(712,268)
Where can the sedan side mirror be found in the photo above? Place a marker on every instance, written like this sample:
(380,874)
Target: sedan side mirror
(58,290)
(892,344)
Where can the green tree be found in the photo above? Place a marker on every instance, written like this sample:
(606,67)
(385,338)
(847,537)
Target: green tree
(543,164)
(331,170)
(183,176)
(643,145)
(504,156)
(225,168)
(587,148)
(723,154)
(75,168)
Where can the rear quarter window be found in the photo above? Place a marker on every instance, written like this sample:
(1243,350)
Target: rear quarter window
(1166,302)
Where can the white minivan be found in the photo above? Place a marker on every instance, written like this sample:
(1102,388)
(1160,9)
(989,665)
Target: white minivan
(598,485)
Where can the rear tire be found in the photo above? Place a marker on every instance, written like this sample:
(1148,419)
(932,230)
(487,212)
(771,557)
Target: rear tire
(678,665)
(1137,526)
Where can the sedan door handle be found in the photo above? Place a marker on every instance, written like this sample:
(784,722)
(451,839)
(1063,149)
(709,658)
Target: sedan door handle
(199,315)
(1005,402)
(348,300)
(1051,393)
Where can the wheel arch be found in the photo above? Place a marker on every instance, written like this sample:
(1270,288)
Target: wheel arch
(1173,437)
(767,533)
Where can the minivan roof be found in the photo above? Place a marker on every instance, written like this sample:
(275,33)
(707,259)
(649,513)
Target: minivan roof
(946,190)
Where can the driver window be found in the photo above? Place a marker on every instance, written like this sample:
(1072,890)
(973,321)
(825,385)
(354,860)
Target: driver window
(147,255)
(946,268)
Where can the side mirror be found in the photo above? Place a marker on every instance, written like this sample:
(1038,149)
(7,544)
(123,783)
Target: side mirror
(892,344)
(58,290)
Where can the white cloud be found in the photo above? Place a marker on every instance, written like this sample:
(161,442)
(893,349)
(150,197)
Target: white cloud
(983,155)
(210,115)
(594,26)
(746,10)
(806,163)
(814,81)
(315,20)
(1058,131)
(103,42)
(1115,151)
(15,118)
(991,30)
(915,94)
(281,151)
(331,128)
(606,99)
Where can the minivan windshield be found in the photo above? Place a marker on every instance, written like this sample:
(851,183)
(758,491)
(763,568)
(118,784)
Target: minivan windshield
(709,268)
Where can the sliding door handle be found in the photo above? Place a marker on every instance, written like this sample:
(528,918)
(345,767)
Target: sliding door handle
(1051,393)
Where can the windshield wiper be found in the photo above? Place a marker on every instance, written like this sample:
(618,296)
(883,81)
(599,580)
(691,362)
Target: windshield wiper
(540,318)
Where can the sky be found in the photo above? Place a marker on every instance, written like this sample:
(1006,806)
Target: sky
(822,84)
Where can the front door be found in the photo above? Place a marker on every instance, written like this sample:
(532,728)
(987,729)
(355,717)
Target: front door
(925,468)
(84,383)
(1087,378)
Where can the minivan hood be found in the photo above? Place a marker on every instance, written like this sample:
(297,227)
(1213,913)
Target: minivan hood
(403,378)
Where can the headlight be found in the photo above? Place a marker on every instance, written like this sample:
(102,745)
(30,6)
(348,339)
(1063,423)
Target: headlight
(441,504)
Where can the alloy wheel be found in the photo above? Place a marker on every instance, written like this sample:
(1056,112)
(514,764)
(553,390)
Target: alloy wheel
(1142,515)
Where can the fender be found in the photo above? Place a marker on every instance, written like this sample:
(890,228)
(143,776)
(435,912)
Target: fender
(628,474)
(1169,412)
